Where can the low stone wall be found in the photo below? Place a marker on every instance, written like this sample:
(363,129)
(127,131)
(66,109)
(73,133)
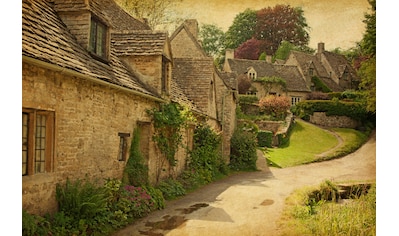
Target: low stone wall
(320,118)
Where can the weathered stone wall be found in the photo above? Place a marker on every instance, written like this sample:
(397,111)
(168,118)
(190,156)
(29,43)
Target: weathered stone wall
(149,68)
(320,118)
(88,117)
(226,107)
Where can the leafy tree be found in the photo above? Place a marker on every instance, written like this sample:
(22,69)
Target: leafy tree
(156,12)
(212,38)
(368,43)
(242,29)
(368,84)
(367,70)
(248,50)
(280,23)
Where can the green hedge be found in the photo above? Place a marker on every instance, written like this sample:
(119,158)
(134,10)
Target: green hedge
(354,110)
(265,138)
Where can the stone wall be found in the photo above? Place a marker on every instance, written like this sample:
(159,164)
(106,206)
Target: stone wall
(88,118)
(184,47)
(320,118)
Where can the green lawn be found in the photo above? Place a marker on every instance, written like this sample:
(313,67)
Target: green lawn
(305,143)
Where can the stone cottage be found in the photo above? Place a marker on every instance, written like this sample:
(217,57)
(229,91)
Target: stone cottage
(90,72)
(333,69)
(294,85)
(213,92)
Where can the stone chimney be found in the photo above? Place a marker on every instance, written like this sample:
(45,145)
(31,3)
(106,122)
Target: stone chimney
(192,25)
(229,54)
(269,58)
(320,47)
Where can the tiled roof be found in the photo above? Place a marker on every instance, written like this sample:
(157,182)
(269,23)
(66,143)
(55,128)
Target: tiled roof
(305,60)
(290,74)
(142,42)
(46,38)
(293,78)
(108,10)
(178,96)
(338,63)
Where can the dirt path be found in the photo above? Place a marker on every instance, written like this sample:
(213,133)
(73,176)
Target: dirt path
(250,203)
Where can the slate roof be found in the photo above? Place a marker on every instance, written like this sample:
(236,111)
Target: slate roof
(305,61)
(290,74)
(139,42)
(339,63)
(108,10)
(46,38)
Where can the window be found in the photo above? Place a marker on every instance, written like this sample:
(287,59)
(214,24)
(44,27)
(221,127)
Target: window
(122,146)
(98,38)
(295,100)
(311,71)
(37,141)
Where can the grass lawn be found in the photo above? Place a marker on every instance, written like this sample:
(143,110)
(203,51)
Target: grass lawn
(305,143)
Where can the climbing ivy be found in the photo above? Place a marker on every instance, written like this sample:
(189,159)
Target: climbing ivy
(168,120)
(271,80)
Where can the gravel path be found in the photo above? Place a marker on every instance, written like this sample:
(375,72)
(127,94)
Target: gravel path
(250,203)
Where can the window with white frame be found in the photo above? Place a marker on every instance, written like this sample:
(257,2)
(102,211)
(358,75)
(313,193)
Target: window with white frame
(295,100)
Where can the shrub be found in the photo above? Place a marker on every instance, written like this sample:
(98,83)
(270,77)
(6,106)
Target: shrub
(171,189)
(265,138)
(33,225)
(205,157)
(158,201)
(140,200)
(243,150)
(275,105)
(135,172)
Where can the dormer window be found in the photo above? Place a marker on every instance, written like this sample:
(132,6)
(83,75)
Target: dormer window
(311,71)
(98,39)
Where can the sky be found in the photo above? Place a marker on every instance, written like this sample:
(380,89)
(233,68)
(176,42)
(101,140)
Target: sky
(339,24)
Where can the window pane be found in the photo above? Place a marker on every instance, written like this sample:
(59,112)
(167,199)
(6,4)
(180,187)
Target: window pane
(92,43)
(40,147)
(100,40)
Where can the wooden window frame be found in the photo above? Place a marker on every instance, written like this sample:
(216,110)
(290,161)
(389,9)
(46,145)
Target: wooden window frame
(31,140)
(123,146)
(94,45)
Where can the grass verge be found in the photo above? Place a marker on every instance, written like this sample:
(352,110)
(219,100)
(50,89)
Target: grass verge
(302,216)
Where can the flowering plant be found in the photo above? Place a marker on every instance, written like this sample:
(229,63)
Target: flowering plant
(140,200)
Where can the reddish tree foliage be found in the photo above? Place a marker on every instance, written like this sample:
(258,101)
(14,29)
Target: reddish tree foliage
(275,105)
(250,49)
(281,23)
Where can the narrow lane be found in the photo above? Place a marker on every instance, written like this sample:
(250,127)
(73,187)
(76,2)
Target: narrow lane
(250,203)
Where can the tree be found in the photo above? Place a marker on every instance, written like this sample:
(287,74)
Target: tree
(242,29)
(367,70)
(275,105)
(281,23)
(212,38)
(248,50)
(368,43)
(243,84)
(156,12)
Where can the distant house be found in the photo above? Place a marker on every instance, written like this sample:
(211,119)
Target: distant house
(259,71)
(90,72)
(332,69)
(211,91)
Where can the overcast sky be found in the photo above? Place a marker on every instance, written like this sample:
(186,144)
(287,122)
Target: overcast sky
(336,23)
